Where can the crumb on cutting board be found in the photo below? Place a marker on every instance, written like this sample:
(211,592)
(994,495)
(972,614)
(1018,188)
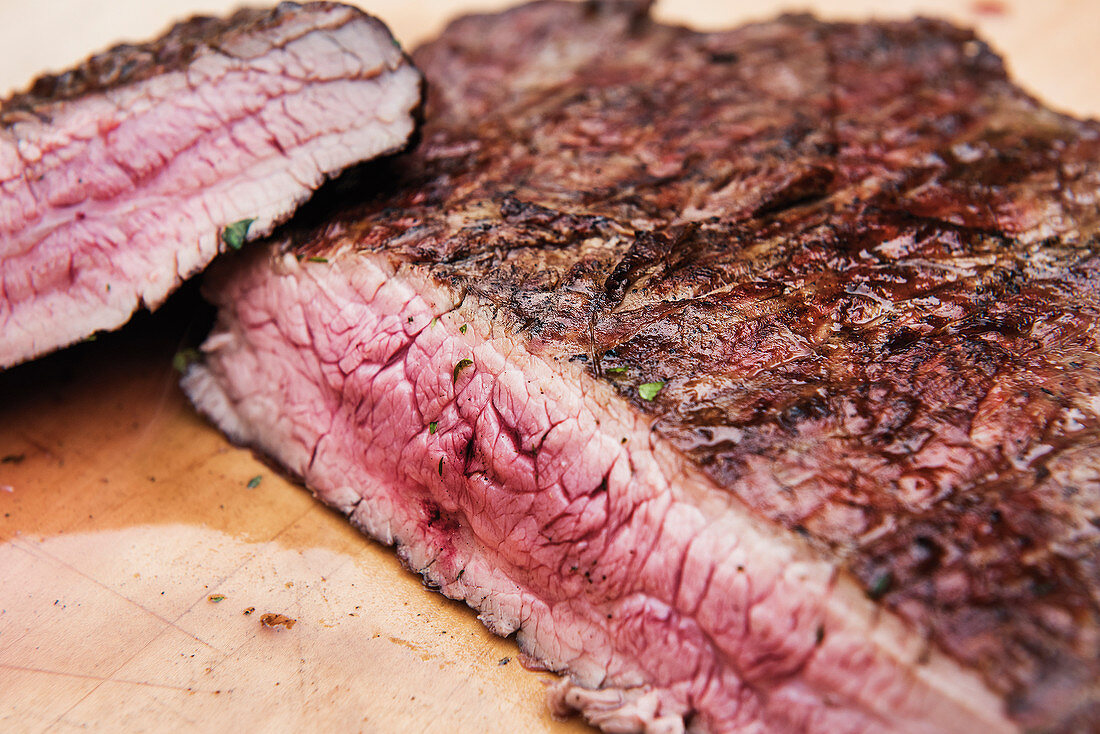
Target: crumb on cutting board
(273,620)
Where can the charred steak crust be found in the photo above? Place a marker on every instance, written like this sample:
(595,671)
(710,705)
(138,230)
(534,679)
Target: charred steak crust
(857,268)
(127,174)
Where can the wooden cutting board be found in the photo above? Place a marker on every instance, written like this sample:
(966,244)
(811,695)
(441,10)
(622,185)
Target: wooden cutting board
(140,552)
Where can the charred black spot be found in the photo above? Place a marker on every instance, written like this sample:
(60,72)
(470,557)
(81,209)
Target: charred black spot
(1009,325)
(901,341)
(810,409)
(648,249)
(802,188)
(723,57)
(1042,587)
(926,554)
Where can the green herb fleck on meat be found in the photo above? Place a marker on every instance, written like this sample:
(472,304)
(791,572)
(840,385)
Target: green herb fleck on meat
(254,482)
(462,364)
(316,259)
(215,598)
(233,235)
(432,427)
(615,369)
(440,466)
(649,390)
(880,584)
(184,359)
(462,328)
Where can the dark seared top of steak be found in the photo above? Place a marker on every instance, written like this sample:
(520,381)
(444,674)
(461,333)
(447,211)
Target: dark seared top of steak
(866,266)
(236,35)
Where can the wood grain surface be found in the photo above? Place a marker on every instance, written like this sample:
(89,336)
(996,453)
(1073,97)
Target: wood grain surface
(138,550)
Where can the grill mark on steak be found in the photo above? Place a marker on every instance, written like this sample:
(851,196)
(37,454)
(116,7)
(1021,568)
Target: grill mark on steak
(120,177)
(866,267)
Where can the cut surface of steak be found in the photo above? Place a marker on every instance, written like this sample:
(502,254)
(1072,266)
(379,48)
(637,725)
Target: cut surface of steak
(751,378)
(127,174)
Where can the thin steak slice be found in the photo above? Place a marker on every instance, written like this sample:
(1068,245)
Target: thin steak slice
(750,378)
(127,174)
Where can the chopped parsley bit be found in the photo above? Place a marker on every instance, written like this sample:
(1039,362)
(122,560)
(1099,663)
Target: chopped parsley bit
(184,359)
(215,598)
(462,328)
(440,466)
(880,584)
(91,337)
(615,369)
(432,426)
(649,390)
(254,482)
(462,364)
(234,234)
(316,259)
(435,321)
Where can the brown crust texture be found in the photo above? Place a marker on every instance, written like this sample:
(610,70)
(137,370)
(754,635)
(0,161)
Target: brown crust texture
(862,263)
(128,63)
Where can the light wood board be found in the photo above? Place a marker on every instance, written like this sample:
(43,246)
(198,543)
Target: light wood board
(131,544)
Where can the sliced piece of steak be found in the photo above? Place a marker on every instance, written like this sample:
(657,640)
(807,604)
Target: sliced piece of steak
(751,378)
(127,174)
